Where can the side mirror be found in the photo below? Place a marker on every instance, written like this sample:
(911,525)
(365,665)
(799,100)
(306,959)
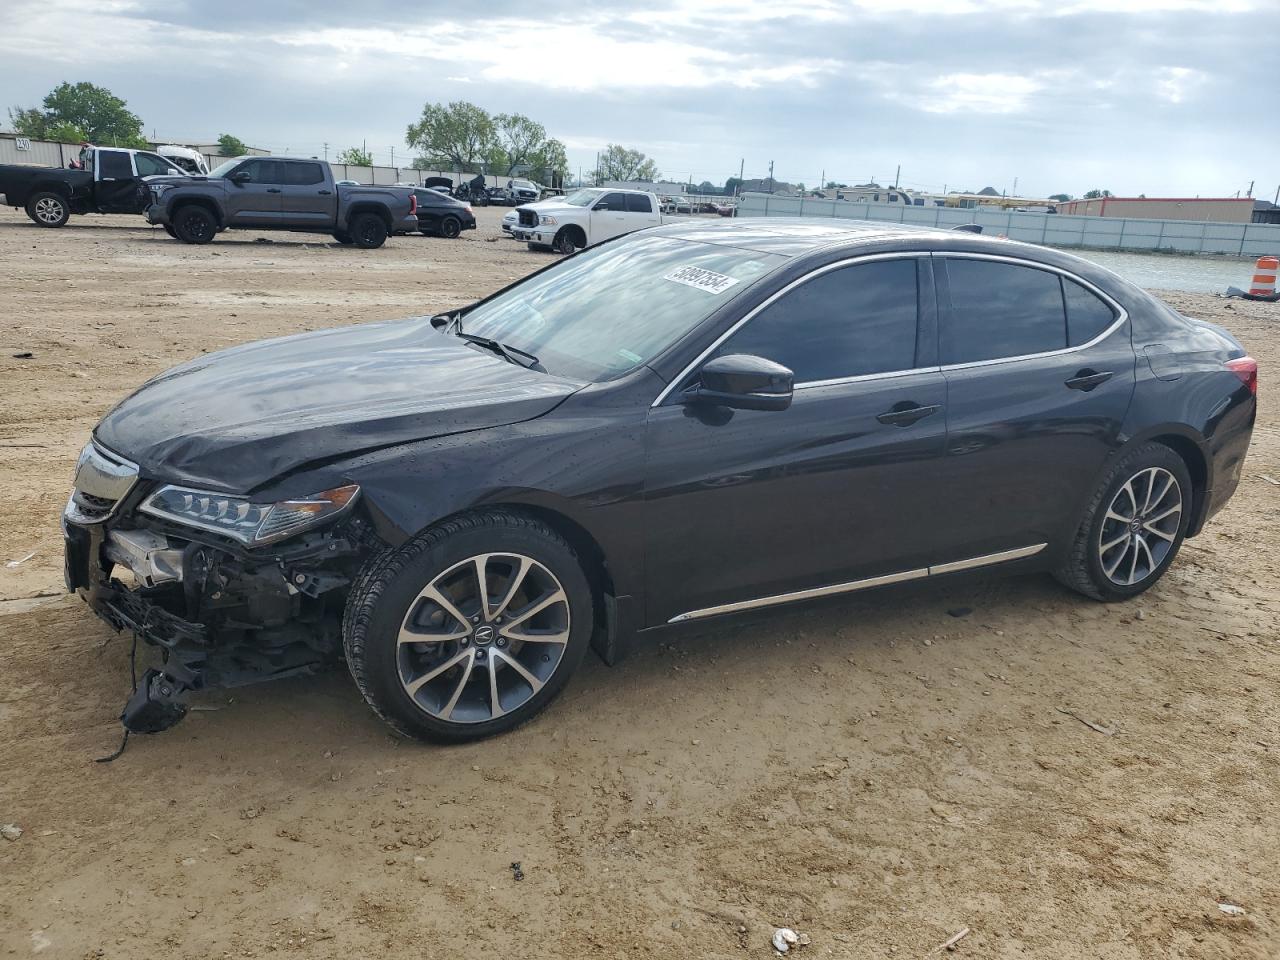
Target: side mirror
(241,176)
(743,382)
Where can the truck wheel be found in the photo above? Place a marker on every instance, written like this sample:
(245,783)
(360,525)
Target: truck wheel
(168,228)
(194,224)
(564,243)
(343,237)
(48,210)
(368,231)
(450,227)
(470,629)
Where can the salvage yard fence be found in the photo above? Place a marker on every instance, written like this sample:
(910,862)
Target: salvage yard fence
(1048,229)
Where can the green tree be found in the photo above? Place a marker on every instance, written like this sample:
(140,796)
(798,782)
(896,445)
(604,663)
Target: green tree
(80,111)
(229,146)
(620,163)
(731,186)
(1060,197)
(551,159)
(1097,194)
(517,141)
(460,135)
(355,157)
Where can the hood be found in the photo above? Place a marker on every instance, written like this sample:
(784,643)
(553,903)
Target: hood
(554,206)
(236,419)
(175,179)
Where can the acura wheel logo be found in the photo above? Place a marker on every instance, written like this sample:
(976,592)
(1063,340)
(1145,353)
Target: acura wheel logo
(484,635)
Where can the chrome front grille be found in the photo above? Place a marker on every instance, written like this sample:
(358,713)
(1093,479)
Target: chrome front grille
(528,218)
(102,481)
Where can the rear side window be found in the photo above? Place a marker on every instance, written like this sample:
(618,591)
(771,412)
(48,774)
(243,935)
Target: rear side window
(302,174)
(1001,310)
(638,203)
(1087,314)
(114,165)
(850,322)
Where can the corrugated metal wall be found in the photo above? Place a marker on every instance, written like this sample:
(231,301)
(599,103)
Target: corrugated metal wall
(1057,230)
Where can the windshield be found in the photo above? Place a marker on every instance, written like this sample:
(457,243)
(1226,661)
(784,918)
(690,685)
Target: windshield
(612,308)
(582,198)
(222,169)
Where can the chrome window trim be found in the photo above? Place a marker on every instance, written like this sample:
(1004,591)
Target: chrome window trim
(850,261)
(919,573)
(1122,315)
(861,378)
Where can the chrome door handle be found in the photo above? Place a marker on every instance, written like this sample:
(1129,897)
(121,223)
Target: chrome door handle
(1087,379)
(905,414)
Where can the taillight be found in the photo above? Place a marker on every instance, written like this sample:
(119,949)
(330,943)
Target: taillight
(413,204)
(1246,368)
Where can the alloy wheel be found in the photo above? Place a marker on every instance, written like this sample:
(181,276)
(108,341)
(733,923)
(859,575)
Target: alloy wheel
(196,227)
(49,210)
(1140,526)
(483,637)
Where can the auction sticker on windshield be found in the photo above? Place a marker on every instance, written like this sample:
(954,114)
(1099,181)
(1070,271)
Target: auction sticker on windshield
(707,280)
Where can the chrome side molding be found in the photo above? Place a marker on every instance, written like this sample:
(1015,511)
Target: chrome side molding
(1003,556)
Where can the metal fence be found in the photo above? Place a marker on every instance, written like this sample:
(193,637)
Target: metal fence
(1055,230)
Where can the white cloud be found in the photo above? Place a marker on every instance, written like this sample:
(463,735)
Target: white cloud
(1175,84)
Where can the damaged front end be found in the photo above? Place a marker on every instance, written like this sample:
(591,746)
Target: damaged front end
(231,592)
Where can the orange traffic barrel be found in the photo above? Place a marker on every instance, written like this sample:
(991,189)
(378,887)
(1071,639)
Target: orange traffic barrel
(1264,277)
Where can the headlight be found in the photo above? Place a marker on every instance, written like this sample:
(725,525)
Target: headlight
(158,189)
(252,524)
(549,221)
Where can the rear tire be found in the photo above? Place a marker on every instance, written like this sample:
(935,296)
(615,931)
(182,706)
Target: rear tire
(1133,527)
(487,661)
(450,227)
(194,224)
(48,209)
(368,231)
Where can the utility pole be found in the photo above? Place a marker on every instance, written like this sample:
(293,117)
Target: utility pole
(771,176)
(597,168)
(393,155)
(1250,193)
(896,176)
(822,180)
(1015,186)
(326,151)
(742,165)
(1276,201)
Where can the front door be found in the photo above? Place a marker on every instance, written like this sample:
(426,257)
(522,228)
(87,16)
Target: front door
(255,201)
(117,187)
(308,196)
(839,488)
(608,217)
(1040,372)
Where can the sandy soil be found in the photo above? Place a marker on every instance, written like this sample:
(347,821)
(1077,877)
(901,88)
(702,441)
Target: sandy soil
(874,772)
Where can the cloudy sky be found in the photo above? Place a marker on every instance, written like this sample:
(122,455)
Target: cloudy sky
(1162,97)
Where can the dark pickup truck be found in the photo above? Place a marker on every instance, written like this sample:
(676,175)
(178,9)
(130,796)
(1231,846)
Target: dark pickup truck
(279,193)
(111,181)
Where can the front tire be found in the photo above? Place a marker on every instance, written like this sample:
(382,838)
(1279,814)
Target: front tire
(368,231)
(194,225)
(343,237)
(48,209)
(168,228)
(564,243)
(1133,527)
(442,658)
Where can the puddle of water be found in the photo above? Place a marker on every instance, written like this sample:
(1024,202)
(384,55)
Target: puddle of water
(1169,272)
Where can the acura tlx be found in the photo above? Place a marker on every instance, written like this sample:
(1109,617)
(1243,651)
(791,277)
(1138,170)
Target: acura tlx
(687,422)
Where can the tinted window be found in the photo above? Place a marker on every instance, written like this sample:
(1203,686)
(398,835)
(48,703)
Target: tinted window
(150,165)
(846,323)
(114,165)
(1087,315)
(612,201)
(639,203)
(1001,310)
(302,174)
(261,171)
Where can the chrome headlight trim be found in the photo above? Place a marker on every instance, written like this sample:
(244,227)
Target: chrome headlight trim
(240,519)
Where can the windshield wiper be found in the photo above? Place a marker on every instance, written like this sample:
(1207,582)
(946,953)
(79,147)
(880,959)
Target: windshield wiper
(521,358)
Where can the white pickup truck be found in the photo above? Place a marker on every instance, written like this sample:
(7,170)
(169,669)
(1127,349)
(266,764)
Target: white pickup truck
(585,217)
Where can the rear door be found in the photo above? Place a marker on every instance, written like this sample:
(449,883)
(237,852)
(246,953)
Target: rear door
(1040,372)
(308,198)
(839,488)
(608,217)
(117,187)
(258,200)
(641,212)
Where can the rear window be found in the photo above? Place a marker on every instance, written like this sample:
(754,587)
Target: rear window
(1087,314)
(638,203)
(114,165)
(302,174)
(1001,310)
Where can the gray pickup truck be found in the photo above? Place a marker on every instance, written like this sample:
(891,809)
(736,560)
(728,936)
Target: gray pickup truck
(279,193)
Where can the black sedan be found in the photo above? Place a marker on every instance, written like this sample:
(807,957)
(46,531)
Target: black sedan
(684,423)
(441,215)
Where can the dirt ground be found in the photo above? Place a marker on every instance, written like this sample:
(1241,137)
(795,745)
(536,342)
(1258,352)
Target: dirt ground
(875,772)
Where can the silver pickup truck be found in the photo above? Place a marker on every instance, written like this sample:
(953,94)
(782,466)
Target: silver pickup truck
(279,193)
